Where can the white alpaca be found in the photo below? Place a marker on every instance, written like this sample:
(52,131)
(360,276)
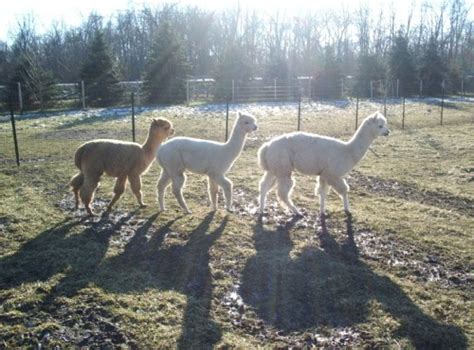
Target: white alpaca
(310,154)
(211,158)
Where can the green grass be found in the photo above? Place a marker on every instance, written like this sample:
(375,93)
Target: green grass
(397,273)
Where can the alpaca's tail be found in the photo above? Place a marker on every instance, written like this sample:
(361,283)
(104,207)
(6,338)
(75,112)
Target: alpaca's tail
(78,156)
(77,181)
(262,161)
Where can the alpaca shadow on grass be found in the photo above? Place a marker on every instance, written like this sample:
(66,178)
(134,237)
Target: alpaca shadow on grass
(180,267)
(68,248)
(330,286)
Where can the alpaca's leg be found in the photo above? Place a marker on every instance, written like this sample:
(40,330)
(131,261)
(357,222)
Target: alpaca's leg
(178,183)
(322,189)
(285,185)
(163,182)
(86,192)
(341,187)
(266,184)
(226,185)
(213,189)
(119,189)
(76,183)
(136,186)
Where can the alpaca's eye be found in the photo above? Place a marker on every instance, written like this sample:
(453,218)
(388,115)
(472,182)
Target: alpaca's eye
(247,122)
(380,126)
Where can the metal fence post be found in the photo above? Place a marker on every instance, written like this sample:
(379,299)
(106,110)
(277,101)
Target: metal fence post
(187,92)
(403,114)
(299,111)
(15,140)
(421,88)
(371,89)
(274,89)
(398,87)
(357,113)
(133,116)
(442,102)
(83,94)
(227,120)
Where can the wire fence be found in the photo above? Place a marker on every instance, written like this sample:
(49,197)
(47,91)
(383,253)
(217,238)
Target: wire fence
(51,136)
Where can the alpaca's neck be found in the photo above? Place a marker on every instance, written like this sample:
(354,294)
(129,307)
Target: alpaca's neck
(234,145)
(360,142)
(151,144)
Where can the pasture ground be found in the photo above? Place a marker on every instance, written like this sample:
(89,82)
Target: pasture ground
(397,273)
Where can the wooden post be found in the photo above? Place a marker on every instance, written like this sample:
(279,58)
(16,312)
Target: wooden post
(371,89)
(421,88)
(233,90)
(15,140)
(462,86)
(403,114)
(342,87)
(20,97)
(133,116)
(398,87)
(83,92)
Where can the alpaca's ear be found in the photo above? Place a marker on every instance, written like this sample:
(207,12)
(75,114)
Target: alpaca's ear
(239,114)
(375,116)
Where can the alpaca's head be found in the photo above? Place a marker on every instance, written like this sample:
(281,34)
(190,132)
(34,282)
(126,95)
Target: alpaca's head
(246,122)
(377,124)
(161,128)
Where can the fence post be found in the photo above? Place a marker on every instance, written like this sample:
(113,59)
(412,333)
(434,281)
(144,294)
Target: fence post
(371,89)
(187,92)
(398,87)
(83,94)
(20,97)
(227,120)
(342,87)
(133,116)
(15,140)
(310,96)
(233,90)
(442,102)
(403,114)
(274,89)
(421,88)
(385,101)
(462,86)
(299,111)
(357,113)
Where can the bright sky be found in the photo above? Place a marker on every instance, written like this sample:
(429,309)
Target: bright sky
(72,13)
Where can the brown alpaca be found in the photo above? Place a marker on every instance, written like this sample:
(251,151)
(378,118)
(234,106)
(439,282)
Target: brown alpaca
(119,159)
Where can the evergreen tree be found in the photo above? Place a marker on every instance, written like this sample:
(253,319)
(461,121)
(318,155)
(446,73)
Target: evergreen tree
(402,67)
(37,84)
(165,75)
(327,84)
(100,74)
(370,68)
(432,70)
(232,65)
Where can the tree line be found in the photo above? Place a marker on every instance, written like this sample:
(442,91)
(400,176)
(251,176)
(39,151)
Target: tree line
(166,44)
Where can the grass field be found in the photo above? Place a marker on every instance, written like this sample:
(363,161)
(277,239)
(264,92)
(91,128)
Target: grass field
(397,273)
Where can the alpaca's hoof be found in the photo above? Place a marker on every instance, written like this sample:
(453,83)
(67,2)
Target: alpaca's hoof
(230,210)
(142,206)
